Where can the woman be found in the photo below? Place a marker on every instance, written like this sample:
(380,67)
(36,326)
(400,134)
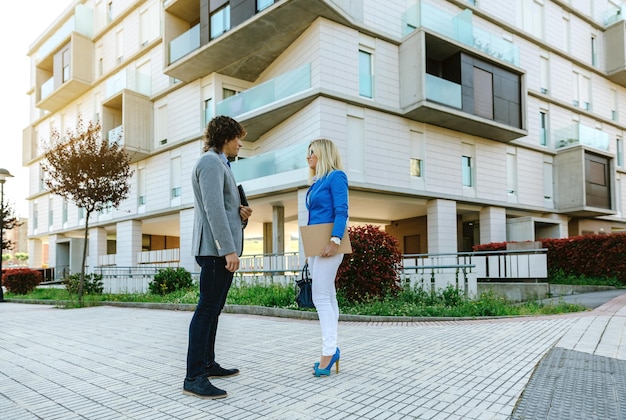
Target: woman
(327,202)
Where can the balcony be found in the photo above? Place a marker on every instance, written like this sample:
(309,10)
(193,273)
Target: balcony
(583,182)
(65,75)
(29,145)
(615,42)
(278,162)
(134,111)
(81,22)
(242,52)
(459,28)
(129,79)
(581,135)
(443,89)
(266,105)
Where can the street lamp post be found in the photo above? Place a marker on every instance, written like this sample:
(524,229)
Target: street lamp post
(4,174)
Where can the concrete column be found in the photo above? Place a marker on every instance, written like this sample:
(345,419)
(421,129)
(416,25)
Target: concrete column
(35,253)
(303,219)
(187,257)
(268,244)
(278,229)
(441,225)
(128,243)
(97,246)
(52,252)
(492,225)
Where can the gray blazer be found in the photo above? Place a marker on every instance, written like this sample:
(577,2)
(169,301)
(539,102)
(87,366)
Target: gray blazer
(217,225)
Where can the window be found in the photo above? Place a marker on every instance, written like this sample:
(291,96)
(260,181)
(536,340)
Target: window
(581,90)
(81,213)
(620,152)
(544,75)
(511,173)
(35,216)
(161,124)
(483,93)
(227,93)
(64,213)
(175,171)
(594,53)
(50,213)
(531,16)
(141,186)
(466,171)
(548,188)
(208,111)
(416,167)
(65,58)
(566,36)
(263,4)
(365,74)
(543,129)
(119,45)
(220,21)
(149,24)
(109,11)
(614,107)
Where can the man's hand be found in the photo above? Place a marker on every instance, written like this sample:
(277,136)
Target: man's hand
(245,212)
(232,262)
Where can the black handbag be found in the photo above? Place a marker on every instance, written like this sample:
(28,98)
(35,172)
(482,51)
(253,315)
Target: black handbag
(304,293)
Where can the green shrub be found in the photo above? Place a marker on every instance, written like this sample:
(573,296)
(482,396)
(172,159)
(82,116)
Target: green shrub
(21,281)
(168,280)
(92,286)
(371,271)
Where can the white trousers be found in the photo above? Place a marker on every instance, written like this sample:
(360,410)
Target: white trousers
(323,272)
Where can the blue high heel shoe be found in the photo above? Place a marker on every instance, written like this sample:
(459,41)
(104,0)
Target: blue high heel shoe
(326,372)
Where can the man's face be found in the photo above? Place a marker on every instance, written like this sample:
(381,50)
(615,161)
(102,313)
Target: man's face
(231,148)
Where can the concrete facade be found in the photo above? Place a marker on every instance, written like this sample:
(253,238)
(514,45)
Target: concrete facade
(459,122)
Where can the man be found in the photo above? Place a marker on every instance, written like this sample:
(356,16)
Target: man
(219,219)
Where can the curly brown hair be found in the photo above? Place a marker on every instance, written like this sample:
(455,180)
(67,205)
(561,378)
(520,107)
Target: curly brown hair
(220,130)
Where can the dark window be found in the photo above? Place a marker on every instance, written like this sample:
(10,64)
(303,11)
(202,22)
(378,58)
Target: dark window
(483,93)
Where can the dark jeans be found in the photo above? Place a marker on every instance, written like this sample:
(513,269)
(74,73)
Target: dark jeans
(215,280)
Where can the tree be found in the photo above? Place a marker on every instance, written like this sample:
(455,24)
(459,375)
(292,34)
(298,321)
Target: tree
(88,171)
(9,221)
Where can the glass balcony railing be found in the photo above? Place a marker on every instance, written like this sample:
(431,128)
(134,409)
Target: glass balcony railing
(81,22)
(129,79)
(47,88)
(281,87)
(116,135)
(443,91)
(459,28)
(286,159)
(579,134)
(185,43)
(614,14)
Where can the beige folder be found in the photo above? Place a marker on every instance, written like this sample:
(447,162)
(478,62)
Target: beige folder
(316,237)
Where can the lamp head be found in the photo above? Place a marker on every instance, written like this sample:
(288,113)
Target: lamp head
(4,174)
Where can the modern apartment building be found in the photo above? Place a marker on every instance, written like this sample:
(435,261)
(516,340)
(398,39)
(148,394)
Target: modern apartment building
(459,122)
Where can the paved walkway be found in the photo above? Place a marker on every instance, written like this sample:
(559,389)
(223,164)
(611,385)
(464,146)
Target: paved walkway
(129,363)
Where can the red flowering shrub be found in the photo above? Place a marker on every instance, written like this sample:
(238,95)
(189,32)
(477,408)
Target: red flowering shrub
(21,281)
(372,270)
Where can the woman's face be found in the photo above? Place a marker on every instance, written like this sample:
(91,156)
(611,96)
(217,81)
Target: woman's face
(311,158)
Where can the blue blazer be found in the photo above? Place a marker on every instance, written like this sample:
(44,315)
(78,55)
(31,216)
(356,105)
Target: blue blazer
(217,225)
(327,201)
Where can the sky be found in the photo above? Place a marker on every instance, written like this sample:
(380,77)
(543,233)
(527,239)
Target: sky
(19,28)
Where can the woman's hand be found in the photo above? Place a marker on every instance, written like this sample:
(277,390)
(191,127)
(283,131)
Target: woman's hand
(330,250)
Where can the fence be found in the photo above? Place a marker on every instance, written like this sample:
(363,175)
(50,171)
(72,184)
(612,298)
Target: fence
(429,271)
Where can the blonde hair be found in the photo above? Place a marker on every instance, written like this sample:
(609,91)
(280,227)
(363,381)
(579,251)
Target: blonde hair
(328,158)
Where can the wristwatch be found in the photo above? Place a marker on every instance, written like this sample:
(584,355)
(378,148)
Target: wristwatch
(336,240)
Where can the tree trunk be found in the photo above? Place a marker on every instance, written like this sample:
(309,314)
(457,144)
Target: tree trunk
(81,284)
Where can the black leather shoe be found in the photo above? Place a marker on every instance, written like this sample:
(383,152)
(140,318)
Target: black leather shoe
(201,387)
(216,371)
